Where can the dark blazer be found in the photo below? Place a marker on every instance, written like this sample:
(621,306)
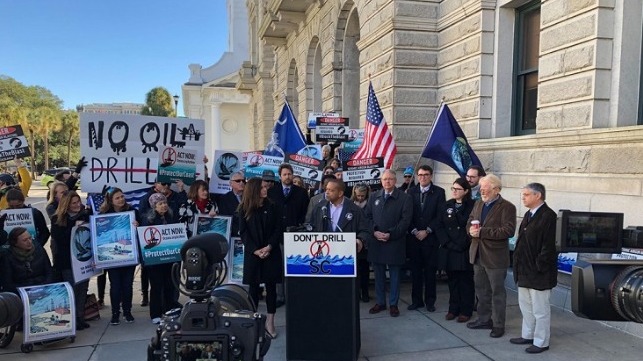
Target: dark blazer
(61,240)
(391,216)
(293,208)
(453,237)
(427,216)
(262,229)
(15,273)
(535,258)
(352,219)
(228,204)
(314,200)
(493,245)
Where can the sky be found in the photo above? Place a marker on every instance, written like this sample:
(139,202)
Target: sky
(109,51)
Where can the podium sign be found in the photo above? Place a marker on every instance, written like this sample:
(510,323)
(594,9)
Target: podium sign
(320,254)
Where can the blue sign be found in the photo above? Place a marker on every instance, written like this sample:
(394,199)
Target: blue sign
(314,254)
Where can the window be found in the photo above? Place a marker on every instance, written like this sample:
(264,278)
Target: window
(526,69)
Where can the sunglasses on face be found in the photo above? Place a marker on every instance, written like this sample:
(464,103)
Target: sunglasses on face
(239,180)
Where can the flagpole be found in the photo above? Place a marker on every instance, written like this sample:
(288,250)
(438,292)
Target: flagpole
(417,164)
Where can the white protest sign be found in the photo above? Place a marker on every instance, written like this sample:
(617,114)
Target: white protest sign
(226,163)
(21,217)
(312,254)
(123,150)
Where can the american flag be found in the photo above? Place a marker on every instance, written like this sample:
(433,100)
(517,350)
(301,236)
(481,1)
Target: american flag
(132,197)
(378,141)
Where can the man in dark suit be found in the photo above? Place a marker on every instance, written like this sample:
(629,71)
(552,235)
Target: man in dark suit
(422,243)
(535,268)
(489,254)
(390,211)
(293,202)
(229,202)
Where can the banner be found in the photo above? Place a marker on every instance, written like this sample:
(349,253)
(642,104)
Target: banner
(314,254)
(123,150)
(49,312)
(114,240)
(367,171)
(207,224)
(82,255)
(21,217)
(176,164)
(226,163)
(331,129)
(257,163)
(235,260)
(13,143)
(309,169)
(162,243)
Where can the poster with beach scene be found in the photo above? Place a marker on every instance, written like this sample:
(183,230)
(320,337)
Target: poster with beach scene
(114,240)
(49,311)
(207,224)
(82,256)
(235,261)
(162,243)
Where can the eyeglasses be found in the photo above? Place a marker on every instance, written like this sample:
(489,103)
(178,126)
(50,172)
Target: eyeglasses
(454,189)
(239,180)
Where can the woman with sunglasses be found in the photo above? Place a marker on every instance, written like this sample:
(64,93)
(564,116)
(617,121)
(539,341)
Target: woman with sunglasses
(70,213)
(454,251)
(260,230)
(198,203)
(121,279)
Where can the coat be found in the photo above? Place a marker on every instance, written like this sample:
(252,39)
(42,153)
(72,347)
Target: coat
(493,245)
(392,216)
(262,229)
(15,273)
(425,216)
(535,259)
(228,204)
(293,208)
(453,237)
(61,240)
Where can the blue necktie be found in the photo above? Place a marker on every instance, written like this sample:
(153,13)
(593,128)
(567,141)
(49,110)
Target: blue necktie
(386,196)
(286,192)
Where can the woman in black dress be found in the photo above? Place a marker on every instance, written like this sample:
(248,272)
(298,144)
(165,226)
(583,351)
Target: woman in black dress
(259,227)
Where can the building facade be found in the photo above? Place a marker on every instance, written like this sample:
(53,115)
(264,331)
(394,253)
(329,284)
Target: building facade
(112,108)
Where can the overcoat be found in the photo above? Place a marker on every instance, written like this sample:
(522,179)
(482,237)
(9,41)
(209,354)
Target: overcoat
(493,244)
(261,229)
(453,237)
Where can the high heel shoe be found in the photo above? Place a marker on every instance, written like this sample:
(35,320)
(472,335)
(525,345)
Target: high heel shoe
(272,335)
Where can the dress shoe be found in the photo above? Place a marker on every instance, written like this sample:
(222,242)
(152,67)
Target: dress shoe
(497,332)
(365,297)
(377,309)
(414,306)
(521,341)
(450,316)
(463,318)
(480,325)
(394,311)
(430,308)
(536,349)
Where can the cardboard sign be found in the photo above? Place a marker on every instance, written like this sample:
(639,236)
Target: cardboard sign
(82,254)
(114,240)
(207,224)
(226,163)
(367,171)
(309,169)
(13,143)
(315,254)
(123,150)
(235,260)
(161,244)
(331,129)
(257,163)
(312,118)
(176,164)
(49,312)
(22,217)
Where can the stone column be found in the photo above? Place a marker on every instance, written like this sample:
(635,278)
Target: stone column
(213,128)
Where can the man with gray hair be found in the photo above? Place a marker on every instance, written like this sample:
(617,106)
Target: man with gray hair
(535,268)
(229,202)
(491,222)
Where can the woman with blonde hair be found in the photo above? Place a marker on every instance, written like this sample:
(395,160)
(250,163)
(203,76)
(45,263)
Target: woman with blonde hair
(56,190)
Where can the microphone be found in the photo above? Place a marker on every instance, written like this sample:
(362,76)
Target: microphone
(324,210)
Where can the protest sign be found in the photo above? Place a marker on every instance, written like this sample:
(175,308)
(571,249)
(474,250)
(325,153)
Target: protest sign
(331,129)
(162,243)
(257,163)
(82,255)
(123,150)
(13,143)
(235,260)
(49,312)
(225,164)
(355,140)
(314,254)
(367,171)
(312,118)
(114,240)
(307,168)
(21,217)
(207,224)
(176,164)
(312,150)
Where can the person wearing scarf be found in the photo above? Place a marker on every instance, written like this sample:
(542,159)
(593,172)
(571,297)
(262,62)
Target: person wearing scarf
(199,202)
(26,263)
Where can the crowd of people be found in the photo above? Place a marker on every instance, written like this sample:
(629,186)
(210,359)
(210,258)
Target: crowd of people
(415,226)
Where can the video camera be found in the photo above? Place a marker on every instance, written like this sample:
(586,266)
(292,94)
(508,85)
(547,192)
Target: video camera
(220,321)
(11,311)
(602,289)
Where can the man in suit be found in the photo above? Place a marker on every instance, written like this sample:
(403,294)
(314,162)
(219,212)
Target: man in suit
(489,254)
(293,203)
(422,243)
(535,268)
(318,197)
(390,211)
(229,202)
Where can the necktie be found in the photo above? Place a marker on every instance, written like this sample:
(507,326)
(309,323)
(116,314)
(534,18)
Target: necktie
(422,198)
(386,195)
(286,192)
(528,216)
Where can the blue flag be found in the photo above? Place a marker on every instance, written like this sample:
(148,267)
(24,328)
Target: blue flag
(447,143)
(286,136)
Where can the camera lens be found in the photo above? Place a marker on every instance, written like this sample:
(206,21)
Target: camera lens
(10,309)
(626,293)
(233,298)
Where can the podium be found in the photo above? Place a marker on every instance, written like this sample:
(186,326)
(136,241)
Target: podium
(322,320)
